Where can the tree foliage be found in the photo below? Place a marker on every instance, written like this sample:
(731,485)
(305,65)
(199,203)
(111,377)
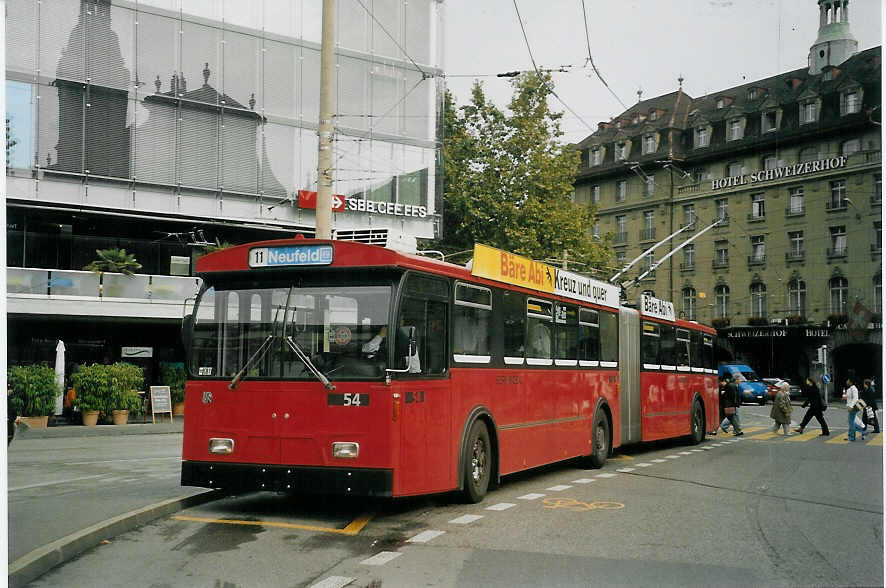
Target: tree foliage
(508,179)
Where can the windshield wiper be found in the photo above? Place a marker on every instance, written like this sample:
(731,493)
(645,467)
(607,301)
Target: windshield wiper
(259,353)
(307,361)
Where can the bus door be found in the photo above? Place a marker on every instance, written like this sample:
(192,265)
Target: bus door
(426,461)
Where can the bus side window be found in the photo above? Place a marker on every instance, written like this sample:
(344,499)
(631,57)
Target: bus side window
(682,348)
(609,337)
(471,317)
(539,316)
(650,344)
(514,314)
(589,335)
(707,351)
(566,338)
(667,350)
(696,357)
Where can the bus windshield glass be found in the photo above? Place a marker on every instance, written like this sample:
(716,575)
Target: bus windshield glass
(251,333)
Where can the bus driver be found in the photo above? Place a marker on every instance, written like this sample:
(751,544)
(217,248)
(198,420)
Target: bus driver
(371,348)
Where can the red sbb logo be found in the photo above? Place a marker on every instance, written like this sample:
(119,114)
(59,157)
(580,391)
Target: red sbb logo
(308,199)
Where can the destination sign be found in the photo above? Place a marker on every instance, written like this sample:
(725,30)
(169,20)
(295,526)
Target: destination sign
(580,287)
(290,255)
(502,266)
(657,308)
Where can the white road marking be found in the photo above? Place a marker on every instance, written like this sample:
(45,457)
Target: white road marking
(559,488)
(334,582)
(606,475)
(695,450)
(501,506)
(672,457)
(425,536)
(685,453)
(583,481)
(644,465)
(466,519)
(531,496)
(56,482)
(657,461)
(381,558)
(625,470)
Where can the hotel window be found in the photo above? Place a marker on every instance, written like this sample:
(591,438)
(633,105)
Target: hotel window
(795,245)
(595,231)
(758,205)
(797,298)
(621,223)
(809,112)
(721,294)
(752,93)
(595,194)
(700,174)
(648,144)
(878,293)
(688,312)
(808,154)
(849,147)
(621,151)
(770,121)
(838,240)
(650,261)
(733,169)
(850,103)
(736,129)
(721,253)
(795,200)
(722,208)
(621,190)
(758,300)
(878,236)
(838,194)
(878,189)
(653,115)
(720,103)
(649,186)
(620,259)
(648,220)
(758,248)
(839,290)
(701,137)
(688,257)
(688,214)
(770,162)
(596,156)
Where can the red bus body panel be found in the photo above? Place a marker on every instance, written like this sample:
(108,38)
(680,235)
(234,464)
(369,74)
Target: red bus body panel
(666,403)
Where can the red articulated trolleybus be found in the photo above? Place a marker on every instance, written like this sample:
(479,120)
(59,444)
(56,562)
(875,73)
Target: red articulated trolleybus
(345,368)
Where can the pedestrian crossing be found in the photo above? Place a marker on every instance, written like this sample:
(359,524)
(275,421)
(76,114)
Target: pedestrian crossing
(765,433)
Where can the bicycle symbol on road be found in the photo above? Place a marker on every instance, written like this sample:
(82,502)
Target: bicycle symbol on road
(579,506)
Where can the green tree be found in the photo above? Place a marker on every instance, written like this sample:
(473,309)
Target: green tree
(508,179)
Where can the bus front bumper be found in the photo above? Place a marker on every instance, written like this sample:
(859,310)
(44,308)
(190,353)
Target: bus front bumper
(300,479)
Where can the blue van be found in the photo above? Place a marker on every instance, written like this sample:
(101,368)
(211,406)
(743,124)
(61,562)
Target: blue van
(750,386)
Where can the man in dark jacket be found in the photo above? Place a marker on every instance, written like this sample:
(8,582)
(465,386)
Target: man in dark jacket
(730,400)
(869,395)
(816,407)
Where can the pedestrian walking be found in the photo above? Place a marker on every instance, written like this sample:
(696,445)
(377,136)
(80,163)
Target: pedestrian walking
(850,395)
(869,395)
(730,400)
(816,407)
(781,408)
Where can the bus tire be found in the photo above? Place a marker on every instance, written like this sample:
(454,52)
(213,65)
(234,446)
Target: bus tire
(697,423)
(599,440)
(478,463)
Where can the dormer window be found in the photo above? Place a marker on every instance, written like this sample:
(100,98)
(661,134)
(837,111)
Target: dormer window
(770,121)
(596,156)
(752,93)
(701,137)
(850,102)
(809,112)
(735,129)
(618,124)
(653,115)
(648,144)
(720,103)
(621,151)
(636,119)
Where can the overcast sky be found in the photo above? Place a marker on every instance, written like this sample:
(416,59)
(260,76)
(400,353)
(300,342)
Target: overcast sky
(639,44)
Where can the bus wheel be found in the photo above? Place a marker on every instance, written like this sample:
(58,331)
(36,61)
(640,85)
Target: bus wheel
(477,465)
(600,441)
(697,433)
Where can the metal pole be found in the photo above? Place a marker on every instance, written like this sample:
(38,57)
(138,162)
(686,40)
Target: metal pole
(324,128)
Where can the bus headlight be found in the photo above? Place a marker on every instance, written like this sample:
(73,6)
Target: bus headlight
(345,450)
(221,446)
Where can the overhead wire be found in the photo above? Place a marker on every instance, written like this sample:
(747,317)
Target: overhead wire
(584,14)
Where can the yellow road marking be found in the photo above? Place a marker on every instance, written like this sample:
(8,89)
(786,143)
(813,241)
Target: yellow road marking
(766,436)
(753,429)
(805,436)
(839,439)
(579,506)
(620,456)
(877,440)
(353,528)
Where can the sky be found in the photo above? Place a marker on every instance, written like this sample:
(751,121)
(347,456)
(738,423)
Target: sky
(639,44)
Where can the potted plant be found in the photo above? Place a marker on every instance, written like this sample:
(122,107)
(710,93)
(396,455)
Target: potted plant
(33,392)
(173,375)
(720,322)
(114,260)
(92,385)
(125,380)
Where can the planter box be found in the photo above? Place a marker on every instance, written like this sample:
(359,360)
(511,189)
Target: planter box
(35,422)
(90,418)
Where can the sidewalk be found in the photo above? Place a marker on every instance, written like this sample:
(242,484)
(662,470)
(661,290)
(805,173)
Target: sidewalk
(72,487)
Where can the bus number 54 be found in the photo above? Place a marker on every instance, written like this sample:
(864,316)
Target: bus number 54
(348,399)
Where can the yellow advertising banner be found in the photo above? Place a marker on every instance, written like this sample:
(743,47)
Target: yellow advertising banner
(502,266)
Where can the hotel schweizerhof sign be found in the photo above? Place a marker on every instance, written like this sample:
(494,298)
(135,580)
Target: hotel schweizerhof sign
(778,173)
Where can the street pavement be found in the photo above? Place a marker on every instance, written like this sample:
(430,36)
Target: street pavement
(70,487)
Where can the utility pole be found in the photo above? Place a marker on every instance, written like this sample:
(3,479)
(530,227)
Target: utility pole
(325,128)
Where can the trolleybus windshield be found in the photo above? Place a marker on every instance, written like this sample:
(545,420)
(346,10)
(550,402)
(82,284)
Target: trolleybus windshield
(253,333)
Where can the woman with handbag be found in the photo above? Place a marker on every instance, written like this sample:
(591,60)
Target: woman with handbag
(870,414)
(816,407)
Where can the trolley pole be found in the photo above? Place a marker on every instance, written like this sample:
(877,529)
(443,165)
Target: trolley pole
(325,127)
